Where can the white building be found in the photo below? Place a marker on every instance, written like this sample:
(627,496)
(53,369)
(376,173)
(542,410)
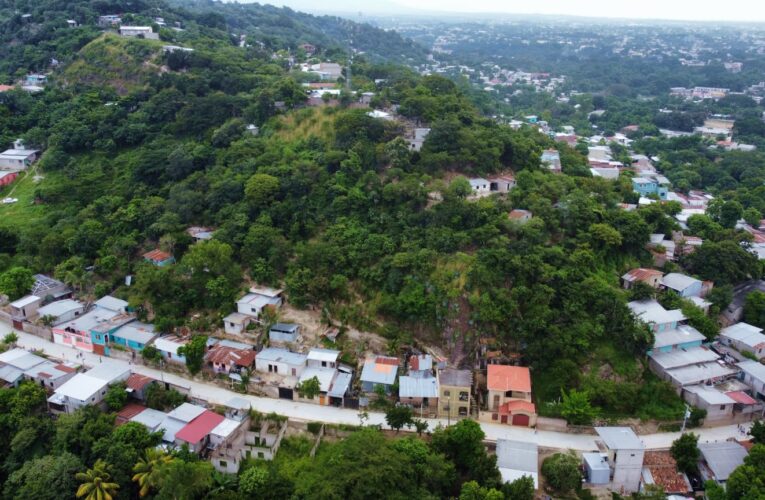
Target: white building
(744,338)
(138,32)
(236,323)
(753,374)
(625,455)
(258,298)
(280,361)
(61,310)
(87,388)
(18,157)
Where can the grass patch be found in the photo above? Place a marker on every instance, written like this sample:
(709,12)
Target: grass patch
(24,212)
(294,447)
(304,123)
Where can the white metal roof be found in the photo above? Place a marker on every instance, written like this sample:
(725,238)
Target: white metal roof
(89,320)
(518,455)
(47,368)
(340,384)
(186,412)
(680,335)
(650,311)
(710,395)
(416,387)
(136,331)
(619,438)
(150,418)
(319,354)
(753,368)
(25,301)
(10,374)
(81,387)
(21,359)
(170,345)
(723,458)
(683,357)
(378,373)
(678,281)
(109,371)
(225,428)
(695,374)
(745,333)
(60,308)
(171,426)
(111,303)
(280,355)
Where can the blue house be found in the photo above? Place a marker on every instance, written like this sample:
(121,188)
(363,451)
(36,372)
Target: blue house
(684,285)
(134,335)
(646,186)
(100,333)
(669,328)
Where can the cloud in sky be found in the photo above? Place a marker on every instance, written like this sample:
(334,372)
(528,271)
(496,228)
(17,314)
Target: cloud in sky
(696,10)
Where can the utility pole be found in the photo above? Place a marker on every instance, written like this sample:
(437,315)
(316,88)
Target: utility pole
(686,416)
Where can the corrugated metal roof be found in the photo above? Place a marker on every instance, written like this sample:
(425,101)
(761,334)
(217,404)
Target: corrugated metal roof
(200,427)
(619,438)
(723,458)
(416,387)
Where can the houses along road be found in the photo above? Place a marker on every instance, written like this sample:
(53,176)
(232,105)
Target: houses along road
(328,414)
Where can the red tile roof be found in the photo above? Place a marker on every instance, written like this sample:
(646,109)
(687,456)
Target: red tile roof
(197,429)
(220,354)
(508,378)
(157,255)
(517,405)
(519,214)
(5,88)
(664,471)
(136,381)
(644,274)
(128,412)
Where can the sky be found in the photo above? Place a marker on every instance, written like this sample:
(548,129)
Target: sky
(691,10)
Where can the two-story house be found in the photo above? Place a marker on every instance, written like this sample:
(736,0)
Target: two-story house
(509,396)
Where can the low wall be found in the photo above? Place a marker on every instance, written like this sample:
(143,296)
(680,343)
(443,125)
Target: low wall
(38,331)
(552,424)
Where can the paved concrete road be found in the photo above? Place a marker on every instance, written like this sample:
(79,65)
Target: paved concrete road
(305,411)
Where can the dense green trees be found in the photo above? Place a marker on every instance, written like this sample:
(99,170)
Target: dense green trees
(686,452)
(561,471)
(16,282)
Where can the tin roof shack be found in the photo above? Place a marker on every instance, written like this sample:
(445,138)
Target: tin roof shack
(718,405)
(50,289)
(252,303)
(51,375)
(625,456)
(379,371)
(420,393)
(14,363)
(719,460)
(87,388)
(61,311)
(236,323)
(284,332)
(516,459)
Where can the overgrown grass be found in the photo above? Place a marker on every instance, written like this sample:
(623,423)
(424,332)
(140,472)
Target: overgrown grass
(24,212)
(304,123)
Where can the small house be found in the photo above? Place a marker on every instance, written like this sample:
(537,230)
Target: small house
(18,158)
(236,323)
(253,303)
(753,374)
(50,289)
(719,460)
(24,309)
(61,311)
(597,472)
(421,365)
(717,404)
(109,20)
(168,346)
(501,183)
(87,388)
(650,277)
(322,358)
(50,375)
(14,363)
(625,454)
(744,338)
(137,384)
(138,32)
(683,285)
(551,159)
(134,335)
(159,258)
(379,371)
(199,234)
(454,393)
(280,361)
(419,392)
(480,186)
(418,138)
(225,359)
(520,216)
(7,178)
(284,332)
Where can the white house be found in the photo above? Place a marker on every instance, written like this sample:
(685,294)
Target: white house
(753,374)
(50,375)
(25,308)
(61,310)
(18,157)
(236,323)
(625,455)
(252,304)
(138,32)
(87,388)
(280,361)
(480,186)
(516,459)
(744,338)
(14,363)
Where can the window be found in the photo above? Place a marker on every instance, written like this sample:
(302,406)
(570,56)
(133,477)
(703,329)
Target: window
(222,463)
(722,407)
(494,416)
(463,396)
(463,411)
(447,394)
(261,455)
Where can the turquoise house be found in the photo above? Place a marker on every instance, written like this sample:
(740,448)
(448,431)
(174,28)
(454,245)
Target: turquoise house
(647,186)
(100,334)
(134,335)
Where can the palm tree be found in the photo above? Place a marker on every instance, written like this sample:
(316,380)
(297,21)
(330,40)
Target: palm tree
(222,483)
(95,483)
(147,469)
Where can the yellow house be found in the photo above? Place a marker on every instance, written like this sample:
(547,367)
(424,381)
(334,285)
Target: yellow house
(454,396)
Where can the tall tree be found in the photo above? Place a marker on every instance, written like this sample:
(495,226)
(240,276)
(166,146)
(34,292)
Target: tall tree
(96,483)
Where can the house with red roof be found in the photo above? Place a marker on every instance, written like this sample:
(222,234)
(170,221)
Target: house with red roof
(226,359)
(159,258)
(509,398)
(641,274)
(196,433)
